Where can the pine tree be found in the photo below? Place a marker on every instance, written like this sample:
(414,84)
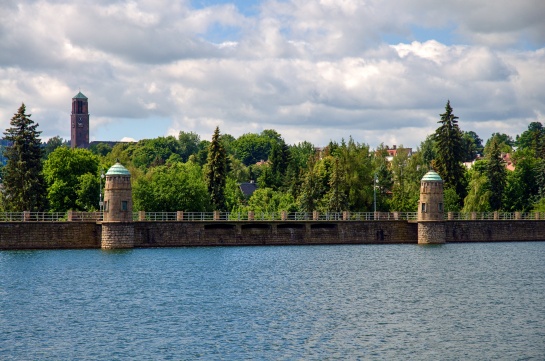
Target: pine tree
(450,153)
(216,172)
(497,176)
(24,185)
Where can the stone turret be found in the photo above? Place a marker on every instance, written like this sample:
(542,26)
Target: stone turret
(431,226)
(430,205)
(117,226)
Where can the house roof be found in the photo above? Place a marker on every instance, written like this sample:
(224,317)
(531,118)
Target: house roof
(248,189)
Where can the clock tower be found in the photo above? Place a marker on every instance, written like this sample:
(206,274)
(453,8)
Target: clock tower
(79,122)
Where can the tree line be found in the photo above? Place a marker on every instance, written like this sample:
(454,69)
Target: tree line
(189,174)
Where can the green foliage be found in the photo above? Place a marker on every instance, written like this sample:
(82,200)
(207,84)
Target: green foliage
(522,187)
(267,200)
(496,174)
(472,145)
(505,142)
(23,182)
(449,151)
(233,195)
(451,200)
(478,197)
(101,149)
(190,143)
(533,139)
(251,148)
(72,178)
(427,149)
(173,187)
(52,144)
(216,172)
(337,197)
(154,152)
(407,174)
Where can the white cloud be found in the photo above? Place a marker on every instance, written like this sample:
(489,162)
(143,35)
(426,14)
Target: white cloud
(312,70)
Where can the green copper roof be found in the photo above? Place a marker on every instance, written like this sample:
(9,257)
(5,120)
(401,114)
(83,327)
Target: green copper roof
(432,176)
(118,169)
(79,96)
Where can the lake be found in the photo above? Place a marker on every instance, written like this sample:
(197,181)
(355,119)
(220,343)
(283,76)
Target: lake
(479,301)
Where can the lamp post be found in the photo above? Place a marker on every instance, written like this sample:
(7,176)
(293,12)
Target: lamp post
(375,193)
(100,203)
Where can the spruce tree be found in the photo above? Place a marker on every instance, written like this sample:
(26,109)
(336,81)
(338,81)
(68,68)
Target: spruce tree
(24,185)
(450,152)
(497,176)
(216,172)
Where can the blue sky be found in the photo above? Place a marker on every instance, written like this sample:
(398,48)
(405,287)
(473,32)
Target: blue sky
(379,71)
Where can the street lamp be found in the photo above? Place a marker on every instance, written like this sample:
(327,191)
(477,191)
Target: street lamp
(100,203)
(375,192)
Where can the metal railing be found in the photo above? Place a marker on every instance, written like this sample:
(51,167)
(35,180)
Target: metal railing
(500,216)
(73,216)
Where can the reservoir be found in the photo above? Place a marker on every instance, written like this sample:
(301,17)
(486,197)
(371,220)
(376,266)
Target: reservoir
(471,301)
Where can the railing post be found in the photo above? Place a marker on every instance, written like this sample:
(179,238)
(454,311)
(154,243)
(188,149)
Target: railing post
(473,216)
(26,216)
(284,215)
(450,216)
(251,215)
(70,215)
(179,215)
(346,216)
(141,216)
(216,216)
(536,216)
(496,215)
(376,216)
(315,215)
(518,215)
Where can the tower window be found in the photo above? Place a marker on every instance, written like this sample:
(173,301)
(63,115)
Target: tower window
(423,207)
(124,206)
(106,206)
(440,207)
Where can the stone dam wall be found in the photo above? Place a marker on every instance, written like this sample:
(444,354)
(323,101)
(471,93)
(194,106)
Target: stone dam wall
(49,235)
(73,235)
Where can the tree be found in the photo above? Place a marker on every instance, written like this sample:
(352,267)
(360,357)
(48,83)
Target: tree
(216,172)
(337,195)
(23,181)
(72,178)
(189,144)
(496,174)
(52,144)
(472,145)
(172,187)
(533,139)
(450,152)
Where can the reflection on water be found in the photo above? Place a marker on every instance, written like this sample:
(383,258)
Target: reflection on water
(456,301)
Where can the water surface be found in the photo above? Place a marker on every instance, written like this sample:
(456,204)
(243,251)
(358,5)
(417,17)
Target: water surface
(449,302)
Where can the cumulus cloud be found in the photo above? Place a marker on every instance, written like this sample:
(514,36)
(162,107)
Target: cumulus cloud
(312,70)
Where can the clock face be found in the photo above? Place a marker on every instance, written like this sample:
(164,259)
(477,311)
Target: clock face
(80,122)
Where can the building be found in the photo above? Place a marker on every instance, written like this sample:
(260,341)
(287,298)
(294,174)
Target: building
(79,122)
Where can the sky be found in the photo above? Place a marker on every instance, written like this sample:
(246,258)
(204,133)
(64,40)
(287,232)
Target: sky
(379,71)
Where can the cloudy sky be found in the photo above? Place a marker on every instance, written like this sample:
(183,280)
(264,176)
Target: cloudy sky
(380,71)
